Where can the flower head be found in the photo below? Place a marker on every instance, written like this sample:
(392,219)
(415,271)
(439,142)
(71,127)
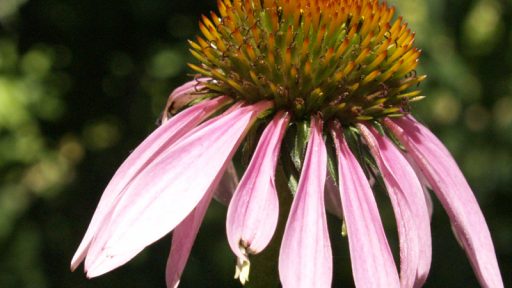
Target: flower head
(349,60)
(320,90)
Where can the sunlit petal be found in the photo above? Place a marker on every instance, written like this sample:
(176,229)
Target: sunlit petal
(253,212)
(183,237)
(372,261)
(150,149)
(162,195)
(409,205)
(305,258)
(452,189)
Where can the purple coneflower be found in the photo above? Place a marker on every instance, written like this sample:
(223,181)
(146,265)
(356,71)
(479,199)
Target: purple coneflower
(320,90)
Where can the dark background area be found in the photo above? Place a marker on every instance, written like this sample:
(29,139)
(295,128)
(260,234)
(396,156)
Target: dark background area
(82,83)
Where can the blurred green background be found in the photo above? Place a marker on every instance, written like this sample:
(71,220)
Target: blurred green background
(82,83)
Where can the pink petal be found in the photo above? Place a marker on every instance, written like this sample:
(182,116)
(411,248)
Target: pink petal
(452,189)
(184,235)
(162,195)
(183,95)
(253,212)
(372,261)
(411,212)
(305,259)
(162,138)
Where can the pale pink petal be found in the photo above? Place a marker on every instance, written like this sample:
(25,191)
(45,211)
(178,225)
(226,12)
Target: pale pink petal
(253,212)
(305,258)
(227,185)
(184,235)
(409,205)
(164,193)
(162,138)
(372,261)
(452,189)
(183,95)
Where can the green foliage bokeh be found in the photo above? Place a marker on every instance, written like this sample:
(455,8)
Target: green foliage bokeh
(82,83)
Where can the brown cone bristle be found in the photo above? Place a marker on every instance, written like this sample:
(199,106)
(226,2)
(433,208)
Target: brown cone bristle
(349,60)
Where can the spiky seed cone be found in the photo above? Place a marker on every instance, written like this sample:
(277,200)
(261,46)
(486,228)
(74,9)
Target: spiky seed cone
(349,59)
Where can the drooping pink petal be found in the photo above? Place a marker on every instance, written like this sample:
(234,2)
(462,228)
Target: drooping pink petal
(305,258)
(164,193)
(253,212)
(184,235)
(452,189)
(162,138)
(409,205)
(183,95)
(372,261)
